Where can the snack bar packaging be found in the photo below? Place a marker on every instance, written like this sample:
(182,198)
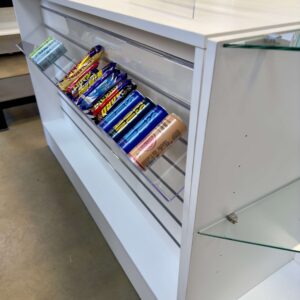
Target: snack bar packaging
(37,50)
(111,80)
(84,77)
(157,141)
(142,128)
(115,101)
(109,99)
(95,76)
(92,56)
(135,115)
(121,110)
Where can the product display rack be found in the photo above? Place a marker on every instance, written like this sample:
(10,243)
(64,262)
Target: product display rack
(176,161)
(216,216)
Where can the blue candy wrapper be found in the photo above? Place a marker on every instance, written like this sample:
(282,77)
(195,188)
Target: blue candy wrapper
(142,128)
(91,99)
(119,112)
(132,118)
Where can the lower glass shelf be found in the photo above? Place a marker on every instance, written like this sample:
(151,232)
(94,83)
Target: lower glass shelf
(165,176)
(272,221)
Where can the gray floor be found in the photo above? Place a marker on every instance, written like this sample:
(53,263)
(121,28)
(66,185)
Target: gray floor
(50,248)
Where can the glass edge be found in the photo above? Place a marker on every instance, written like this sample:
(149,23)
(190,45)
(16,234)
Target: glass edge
(19,46)
(247,242)
(262,47)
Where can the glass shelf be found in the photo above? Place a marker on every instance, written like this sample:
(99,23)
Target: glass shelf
(286,41)
(272,221)
(165,176)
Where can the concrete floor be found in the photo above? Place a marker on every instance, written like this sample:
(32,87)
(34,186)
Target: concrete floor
(50,248)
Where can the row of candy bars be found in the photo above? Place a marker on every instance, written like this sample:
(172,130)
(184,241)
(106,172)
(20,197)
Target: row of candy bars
(142,129)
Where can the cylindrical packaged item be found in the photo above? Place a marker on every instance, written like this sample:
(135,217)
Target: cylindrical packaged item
(35,52)
(46,51)
(109,98)
(157,141)
(84,87)
(52,56)
(73,87)
(119,112)
(101,90)
(92,56)
(134,116)
(142,128)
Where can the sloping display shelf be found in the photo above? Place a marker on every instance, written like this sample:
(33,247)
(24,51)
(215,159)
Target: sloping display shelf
(165,177)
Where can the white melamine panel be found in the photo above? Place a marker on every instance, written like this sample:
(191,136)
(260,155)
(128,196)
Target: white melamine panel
(226,270)
(28,14)
(251,148)
(161,71)
(46,95)
(199,107)
(210,20)
(252,141)
(153,21)
(164,44)
(135,232)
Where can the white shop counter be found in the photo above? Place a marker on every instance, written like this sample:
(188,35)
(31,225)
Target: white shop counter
(218,213)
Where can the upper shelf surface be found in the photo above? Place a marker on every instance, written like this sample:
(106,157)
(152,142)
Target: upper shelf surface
(193,21)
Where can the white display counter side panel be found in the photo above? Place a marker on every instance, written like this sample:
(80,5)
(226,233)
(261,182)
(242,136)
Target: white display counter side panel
(283,284)
(251,148)
(252,135)
(227,270)
(144,250)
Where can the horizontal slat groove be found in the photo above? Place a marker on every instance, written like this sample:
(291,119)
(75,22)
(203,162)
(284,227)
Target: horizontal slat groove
(145,47)
(133,76)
